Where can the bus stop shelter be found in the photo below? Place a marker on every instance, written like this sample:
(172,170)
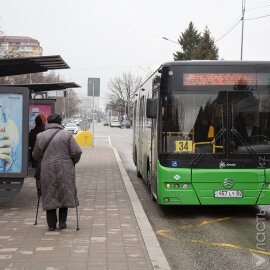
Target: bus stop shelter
(11,183)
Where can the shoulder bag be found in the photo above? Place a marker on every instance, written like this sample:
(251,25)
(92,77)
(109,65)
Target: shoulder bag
(38,169)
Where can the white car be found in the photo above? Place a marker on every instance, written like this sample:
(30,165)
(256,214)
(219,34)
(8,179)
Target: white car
(72,127)
(115,123)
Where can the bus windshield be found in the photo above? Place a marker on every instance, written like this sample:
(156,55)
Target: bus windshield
(216,122)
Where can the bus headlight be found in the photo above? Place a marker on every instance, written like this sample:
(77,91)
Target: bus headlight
(168,185)
(176,186)
(166,200)
(269,186)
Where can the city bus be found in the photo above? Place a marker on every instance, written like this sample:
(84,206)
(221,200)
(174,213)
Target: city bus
(201,133)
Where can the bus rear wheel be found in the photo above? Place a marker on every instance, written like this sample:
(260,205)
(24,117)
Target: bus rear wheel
(139,174)
(148,184)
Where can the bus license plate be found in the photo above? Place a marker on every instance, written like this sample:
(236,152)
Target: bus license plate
(228,194)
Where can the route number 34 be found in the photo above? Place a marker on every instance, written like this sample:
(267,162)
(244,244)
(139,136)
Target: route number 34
(183,146)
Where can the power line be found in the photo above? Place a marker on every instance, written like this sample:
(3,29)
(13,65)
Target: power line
(255,18)
(224,35)
(248,19)
(243,21)
(258,7)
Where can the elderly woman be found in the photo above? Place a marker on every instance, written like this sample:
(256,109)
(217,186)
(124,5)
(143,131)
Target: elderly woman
(57,178)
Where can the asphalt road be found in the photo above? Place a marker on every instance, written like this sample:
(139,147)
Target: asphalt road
(199,237)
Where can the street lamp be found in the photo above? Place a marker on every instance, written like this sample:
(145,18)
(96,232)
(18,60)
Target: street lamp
(171,40)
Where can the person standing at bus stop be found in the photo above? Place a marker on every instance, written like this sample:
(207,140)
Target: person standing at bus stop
(57,177)
(39,127)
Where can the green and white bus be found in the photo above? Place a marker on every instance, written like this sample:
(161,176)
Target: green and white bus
(201,133)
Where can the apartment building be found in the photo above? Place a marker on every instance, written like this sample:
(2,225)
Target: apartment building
(19,46)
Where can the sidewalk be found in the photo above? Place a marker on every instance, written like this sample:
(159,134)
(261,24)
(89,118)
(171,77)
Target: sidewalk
(109,235)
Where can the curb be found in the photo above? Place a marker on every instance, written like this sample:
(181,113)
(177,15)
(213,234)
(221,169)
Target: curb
(155,252)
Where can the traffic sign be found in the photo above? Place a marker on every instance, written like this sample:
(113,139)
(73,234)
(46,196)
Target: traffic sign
(94,87)
(85,125)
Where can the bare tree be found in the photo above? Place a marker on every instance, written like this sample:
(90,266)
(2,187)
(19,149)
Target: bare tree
(123,90)
(4,52)
(1,48)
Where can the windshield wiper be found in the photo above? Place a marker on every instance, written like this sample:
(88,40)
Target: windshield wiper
(253,153)
(195,161)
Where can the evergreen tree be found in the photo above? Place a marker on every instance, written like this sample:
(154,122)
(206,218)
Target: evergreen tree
(206,48)
(188,40)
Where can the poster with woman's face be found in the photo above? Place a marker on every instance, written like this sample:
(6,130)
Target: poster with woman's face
(44,110)
(40,107)
(11,129)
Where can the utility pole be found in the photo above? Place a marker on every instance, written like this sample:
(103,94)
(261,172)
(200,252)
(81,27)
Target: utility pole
(65,109)
(243,21)
(93,115)
(67,104)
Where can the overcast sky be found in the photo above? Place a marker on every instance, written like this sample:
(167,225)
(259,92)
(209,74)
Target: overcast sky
(103,38)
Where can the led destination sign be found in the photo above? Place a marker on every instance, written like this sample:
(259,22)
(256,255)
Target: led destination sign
(201,79)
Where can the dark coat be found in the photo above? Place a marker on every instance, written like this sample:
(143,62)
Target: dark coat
(32,140)
(252,138)
(57,179)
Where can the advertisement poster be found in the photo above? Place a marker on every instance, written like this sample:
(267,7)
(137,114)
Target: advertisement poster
(40,107)
(11,133)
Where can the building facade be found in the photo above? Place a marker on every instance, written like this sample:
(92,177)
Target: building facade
(18,46)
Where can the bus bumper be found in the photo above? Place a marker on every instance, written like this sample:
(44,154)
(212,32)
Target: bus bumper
(183,186)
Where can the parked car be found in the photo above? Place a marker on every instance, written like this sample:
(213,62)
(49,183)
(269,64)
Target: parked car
(77,121)
(72,127)
(125,124)
(105,124)
(115,123)
(66,120)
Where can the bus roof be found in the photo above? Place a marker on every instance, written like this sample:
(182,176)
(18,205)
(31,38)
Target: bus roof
(216,63)
(208,63)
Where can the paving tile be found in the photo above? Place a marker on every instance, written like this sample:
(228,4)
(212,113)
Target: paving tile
(109,237)
(93,267)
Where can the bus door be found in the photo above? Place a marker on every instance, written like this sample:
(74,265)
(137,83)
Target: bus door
(154,149)
(141,133)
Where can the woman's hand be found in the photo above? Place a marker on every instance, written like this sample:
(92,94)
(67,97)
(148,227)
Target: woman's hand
(5,148)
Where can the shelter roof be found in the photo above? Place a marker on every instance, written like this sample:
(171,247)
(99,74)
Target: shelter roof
(25,65)
(44,87)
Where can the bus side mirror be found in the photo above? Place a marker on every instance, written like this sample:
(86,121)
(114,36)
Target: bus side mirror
(151,108)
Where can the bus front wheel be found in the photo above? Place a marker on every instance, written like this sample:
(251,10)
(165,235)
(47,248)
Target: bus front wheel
(149,186)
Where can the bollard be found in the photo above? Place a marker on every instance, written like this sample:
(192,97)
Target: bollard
(84,138)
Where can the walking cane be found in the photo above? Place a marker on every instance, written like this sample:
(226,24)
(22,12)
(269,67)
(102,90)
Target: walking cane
(37,210)
(77,218)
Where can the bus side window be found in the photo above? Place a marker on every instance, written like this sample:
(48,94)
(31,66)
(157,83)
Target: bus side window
(135,116)
(148,120)
(141,113)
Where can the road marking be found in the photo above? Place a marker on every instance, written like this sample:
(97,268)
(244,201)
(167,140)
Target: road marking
(109,138)
(203,223)
(165,233)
